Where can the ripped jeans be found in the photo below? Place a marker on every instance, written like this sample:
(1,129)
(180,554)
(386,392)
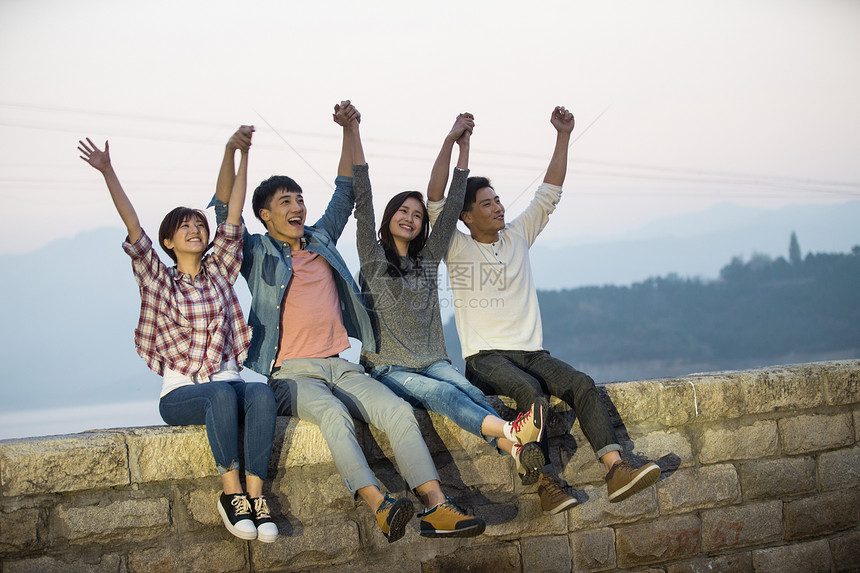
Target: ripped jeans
(442,389)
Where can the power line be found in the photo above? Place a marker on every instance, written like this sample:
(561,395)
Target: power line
(581,167)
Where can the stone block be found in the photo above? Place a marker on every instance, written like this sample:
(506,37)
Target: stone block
(578,462)
(546,554)
(781,388)
(776,478)
(298,443)
(307,493)
(741,526)
(856,415)
(697,488)
(169,453)
(841,382)
(734,563)
(497,558)
(636,401)
(660,541)
(129,519)
(823,514)
(730,442)
(22,530)
(655,445)
(845,550)
(811,557)
(75,564)
(201,504)
(367,562)
(227,554)
(59,464)
(715,396)
(453,436)
(493,475)
(678,402)
(813,433)
(597,511)
(317,544)
(593,550)
(839,469)
(434,441)
(522,518)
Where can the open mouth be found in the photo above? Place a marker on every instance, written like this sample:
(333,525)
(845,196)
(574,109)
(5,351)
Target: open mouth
(295,221)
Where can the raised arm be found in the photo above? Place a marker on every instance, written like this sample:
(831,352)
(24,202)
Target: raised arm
(101,161)
(339,208)
(345,115)
(237,196)
(460,135)
(365,221)
(240,140)
(562,120)
(352,153)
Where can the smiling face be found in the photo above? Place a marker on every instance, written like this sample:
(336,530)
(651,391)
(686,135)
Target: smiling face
(191,238)
(285,217)
(405,226)
(486,217)
(184,231)
(407,220)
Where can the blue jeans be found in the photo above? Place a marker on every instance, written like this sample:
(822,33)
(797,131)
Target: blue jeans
(328,392)
(525,375)
(442,389)
(222,406)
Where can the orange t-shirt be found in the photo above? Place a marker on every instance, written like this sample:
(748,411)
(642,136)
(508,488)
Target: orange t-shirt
(311,319)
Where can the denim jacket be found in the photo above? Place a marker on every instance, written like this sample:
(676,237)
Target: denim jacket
(268,268)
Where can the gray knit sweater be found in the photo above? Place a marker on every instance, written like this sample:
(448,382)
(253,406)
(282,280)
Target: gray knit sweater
(404,310)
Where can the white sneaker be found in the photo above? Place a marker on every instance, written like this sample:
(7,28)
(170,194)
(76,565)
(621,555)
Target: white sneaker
(267,531)
(235,510)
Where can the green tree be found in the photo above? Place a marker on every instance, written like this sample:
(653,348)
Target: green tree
(794,250)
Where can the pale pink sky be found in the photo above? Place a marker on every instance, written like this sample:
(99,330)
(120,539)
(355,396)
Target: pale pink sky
(750,102)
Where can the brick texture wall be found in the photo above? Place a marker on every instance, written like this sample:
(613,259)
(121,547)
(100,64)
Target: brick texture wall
(761,472)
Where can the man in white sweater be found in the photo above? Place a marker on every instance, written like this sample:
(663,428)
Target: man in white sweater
(499,322)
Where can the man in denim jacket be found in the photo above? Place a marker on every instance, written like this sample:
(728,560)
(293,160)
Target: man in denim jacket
(304,306)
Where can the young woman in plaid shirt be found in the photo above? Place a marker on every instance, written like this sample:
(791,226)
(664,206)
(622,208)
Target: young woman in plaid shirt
(191,331)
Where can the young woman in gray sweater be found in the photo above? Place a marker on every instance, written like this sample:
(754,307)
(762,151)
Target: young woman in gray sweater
(399,268)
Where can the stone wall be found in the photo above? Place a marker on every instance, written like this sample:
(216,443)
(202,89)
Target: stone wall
(761,473)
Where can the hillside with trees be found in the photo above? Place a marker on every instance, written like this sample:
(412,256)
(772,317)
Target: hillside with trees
(759,312)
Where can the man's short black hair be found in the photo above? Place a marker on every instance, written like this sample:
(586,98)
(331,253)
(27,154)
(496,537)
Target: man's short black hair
(266,190)
(472,186)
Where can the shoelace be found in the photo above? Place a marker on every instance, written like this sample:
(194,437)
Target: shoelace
(453,507)
(242,505)
(516,450)
(553,488)
(620,465)
(386,503)
(261,508)
(520,421)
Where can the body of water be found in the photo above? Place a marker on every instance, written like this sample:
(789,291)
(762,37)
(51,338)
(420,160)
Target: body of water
(54,421)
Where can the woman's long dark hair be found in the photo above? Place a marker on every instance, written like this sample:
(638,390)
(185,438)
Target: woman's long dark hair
(387,241)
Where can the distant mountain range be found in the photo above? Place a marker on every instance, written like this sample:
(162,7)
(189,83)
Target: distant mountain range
(69,309)
(696,245)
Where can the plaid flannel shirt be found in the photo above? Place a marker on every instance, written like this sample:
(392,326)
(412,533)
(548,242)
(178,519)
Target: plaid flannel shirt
(190,326)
